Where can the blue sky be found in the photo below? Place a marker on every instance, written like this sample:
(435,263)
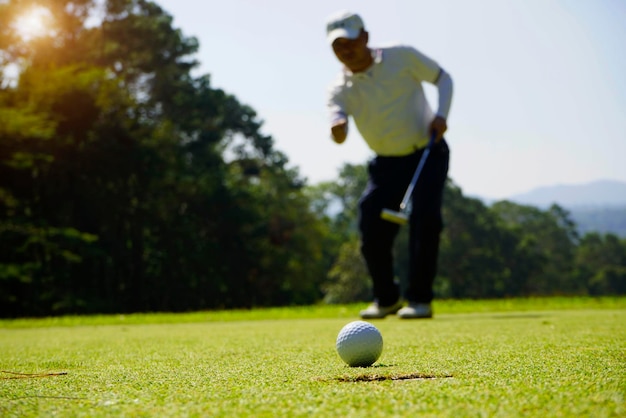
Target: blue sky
(540,87)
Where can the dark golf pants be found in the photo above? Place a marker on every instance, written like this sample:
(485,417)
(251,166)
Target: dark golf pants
(389,178)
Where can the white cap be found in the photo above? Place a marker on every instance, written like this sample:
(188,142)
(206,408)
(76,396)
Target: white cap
(343,24)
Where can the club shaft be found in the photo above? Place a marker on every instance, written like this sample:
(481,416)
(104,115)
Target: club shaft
(418,170)
(416,175)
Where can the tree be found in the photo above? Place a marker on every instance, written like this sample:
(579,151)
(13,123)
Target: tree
(601,264)
(478,257)
(549,239)
(119,160)
(347,278)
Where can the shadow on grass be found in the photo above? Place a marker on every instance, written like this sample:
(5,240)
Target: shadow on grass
(18,375)
(481,316)
(518,316)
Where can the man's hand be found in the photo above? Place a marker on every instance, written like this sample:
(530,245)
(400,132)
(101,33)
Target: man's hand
(439,126)
(339,131)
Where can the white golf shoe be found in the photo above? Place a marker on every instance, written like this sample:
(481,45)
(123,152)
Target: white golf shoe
(375,311)
(416,311)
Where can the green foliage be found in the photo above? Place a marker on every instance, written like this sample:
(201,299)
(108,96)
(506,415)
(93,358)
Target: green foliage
(348,280)
(114,143)
(507,250)
(601,264)
(474,251)
(129,184)
(549,237)
(341,199)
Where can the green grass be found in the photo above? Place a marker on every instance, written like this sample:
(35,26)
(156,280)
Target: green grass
(522,357)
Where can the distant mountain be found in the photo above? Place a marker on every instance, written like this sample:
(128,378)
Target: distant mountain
(599,206)
(597,194)
(602,220)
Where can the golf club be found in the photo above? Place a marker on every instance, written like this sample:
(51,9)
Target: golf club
(402,216)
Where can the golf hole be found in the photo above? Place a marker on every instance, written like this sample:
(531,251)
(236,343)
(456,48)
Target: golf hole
(397,377)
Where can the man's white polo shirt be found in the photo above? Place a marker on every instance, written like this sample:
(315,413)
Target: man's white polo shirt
(387,101)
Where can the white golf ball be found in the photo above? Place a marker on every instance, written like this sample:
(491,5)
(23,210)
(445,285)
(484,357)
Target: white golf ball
(359,344)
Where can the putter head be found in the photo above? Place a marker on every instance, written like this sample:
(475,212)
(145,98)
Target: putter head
(395,217)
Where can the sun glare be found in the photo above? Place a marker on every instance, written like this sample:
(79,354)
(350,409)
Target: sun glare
(34,23)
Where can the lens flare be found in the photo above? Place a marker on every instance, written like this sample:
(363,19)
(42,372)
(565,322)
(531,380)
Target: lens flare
(33,23)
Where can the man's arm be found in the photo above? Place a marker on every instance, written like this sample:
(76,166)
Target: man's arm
(337,113)
(444,88)
(426,69)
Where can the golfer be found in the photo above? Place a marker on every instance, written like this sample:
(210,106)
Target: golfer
(381,89)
